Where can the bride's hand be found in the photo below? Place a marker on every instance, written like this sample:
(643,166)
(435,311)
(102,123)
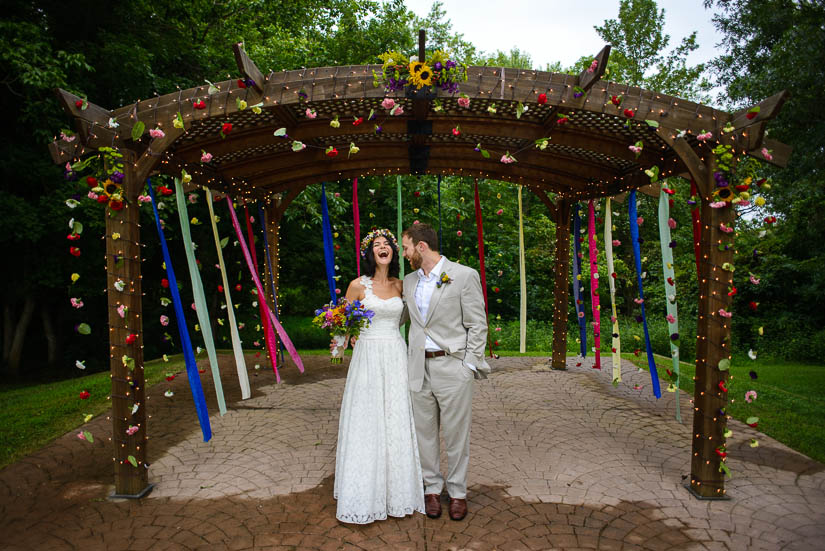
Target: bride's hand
(353,340)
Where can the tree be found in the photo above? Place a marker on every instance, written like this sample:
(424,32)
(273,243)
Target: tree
(639,55)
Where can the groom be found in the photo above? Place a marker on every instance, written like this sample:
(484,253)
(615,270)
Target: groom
(448,332)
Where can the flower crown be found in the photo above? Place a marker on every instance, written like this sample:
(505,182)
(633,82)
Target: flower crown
(376,233)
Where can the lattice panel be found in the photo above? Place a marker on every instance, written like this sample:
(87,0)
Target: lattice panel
(252,152)
(209,128)
(593,156)
(612,126)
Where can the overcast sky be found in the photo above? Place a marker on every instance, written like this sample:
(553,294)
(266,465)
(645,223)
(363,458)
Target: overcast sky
(555,30)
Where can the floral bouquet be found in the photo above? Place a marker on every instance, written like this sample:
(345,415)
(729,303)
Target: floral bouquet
(397,71)
(344,320)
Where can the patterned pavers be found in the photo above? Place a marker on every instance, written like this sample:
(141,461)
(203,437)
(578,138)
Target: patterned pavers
(559,460)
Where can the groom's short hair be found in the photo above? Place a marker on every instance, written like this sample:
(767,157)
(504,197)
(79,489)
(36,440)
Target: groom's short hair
(423,232)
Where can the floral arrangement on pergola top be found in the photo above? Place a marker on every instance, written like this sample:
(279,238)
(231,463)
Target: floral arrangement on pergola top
(398,71)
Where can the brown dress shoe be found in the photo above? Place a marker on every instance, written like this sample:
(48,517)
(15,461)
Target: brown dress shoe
(432,505)
(458,508)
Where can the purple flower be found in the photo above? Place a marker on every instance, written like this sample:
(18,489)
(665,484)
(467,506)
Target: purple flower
(249,83)
(578,94)
(639,319)
(117,177)
(674,337)
(672,244)
(437,66)
(450,64)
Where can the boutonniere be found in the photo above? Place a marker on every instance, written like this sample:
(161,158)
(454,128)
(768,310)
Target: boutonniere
(443,279)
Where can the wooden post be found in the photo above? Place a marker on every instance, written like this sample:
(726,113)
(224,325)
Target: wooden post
(561,292)
(126,356)
(713,345)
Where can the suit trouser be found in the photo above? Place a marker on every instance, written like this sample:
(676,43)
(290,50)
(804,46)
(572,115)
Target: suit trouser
(445,399)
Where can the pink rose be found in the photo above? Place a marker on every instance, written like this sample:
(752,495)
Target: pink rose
(500,212)
(76,302)
(206,157)
(671,223)
(164,320)
(464,102)
(193,198)
(750,396)
(670,318)
(157,133)
(640,220)
(310,113)
(92,195)
(397,110)
(388,103)
(194,307)
(132,430)
(767,154)
(616,242)
(458,233)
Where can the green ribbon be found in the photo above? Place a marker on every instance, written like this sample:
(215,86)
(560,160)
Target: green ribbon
(522,322)
(616,344)
(670,291)
(237,349)
(398,236)
(197,291)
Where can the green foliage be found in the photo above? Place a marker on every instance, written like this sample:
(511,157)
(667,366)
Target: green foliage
(639,54)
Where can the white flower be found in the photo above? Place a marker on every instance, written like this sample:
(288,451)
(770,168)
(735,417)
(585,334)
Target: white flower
(80,365)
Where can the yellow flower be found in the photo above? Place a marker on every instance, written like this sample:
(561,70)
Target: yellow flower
(420,74)
(115,236)
(75,277)
(723,194)
(760,201)
(110,187)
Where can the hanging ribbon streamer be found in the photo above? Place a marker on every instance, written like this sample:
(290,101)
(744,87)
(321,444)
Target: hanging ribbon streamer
(398,236)
(200,299)
(594,283)
(697,226)
(237,349)
(522,272)
(188,356)
(264,226)
(356,223)
(263,307)
(577,280)
(440,237)
(670,292)
(482,270)
(290,348)
(329,254)
(634,237)
(616,348)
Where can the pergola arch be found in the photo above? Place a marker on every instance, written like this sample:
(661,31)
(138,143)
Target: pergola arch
(587,157)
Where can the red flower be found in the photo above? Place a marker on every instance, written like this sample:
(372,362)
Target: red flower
(238,287)
(131,338)
(170,378)
(241,83)
(199,104)
(102,198)
(753,425)
(220,288)
(742,187)
(720,453)
(753,305)
(226,128)
(91,181)
(496,343)
(562,119)
(164,190)
(636,352)
(72,237)
(84,394)
(669,191)
(732,291)
(496,289)
(670,281)
(74,251)
(629,113)
(79,104)
(751,115)
(456,131)
(164,283)
(417,194)
(332,153)
(770,219)
(358,121)
(116,205)
(722,386)
(616,100)
(614,275)
(542,99)
(337,246)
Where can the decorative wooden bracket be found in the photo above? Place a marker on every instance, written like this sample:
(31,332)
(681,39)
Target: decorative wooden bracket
(248,68)
(587,79)
(688,156)
(768,109)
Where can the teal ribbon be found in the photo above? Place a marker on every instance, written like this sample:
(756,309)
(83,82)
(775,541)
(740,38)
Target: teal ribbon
(670,292)
(197,292)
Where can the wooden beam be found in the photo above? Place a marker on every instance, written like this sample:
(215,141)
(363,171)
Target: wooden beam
(92,113)
(692,162)
(561,292)
(540,193)
(779,152)
(768,109)
(586,78)
(248,68)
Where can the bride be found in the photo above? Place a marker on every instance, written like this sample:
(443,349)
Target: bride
(377,470)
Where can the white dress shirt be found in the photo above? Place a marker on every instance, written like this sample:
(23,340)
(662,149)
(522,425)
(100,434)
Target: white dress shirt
(424,292)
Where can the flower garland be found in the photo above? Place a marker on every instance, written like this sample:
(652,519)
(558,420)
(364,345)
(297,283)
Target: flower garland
(438,70)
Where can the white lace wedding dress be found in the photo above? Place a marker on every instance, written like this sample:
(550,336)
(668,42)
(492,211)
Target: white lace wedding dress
(377,470)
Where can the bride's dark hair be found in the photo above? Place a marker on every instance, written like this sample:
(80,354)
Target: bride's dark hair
(369,264)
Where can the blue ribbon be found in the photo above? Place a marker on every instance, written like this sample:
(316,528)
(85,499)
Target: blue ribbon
(577,284)
(634,238)
(186,343)
(329,254)
(440,239)
(262,218)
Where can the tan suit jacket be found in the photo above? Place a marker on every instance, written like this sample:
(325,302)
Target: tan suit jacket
(456,322)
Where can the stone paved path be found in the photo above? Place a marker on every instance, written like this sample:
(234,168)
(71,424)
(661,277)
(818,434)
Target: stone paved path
(559,460)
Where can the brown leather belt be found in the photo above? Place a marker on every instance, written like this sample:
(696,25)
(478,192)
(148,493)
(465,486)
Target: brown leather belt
(434,354)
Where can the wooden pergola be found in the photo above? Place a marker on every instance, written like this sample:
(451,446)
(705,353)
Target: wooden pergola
(587,157)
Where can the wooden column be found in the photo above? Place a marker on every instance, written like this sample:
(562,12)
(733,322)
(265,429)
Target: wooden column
(561,292)
(123,265)
(713,345)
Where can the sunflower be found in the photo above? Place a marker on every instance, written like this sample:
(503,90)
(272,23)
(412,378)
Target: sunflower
(110,187)
(723,194)
(420,74)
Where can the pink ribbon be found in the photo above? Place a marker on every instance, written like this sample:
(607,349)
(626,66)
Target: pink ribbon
(356,216)
(269,335)
(290,348)
(594,282)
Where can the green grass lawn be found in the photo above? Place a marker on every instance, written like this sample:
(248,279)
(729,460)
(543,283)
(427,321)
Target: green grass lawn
(790,399)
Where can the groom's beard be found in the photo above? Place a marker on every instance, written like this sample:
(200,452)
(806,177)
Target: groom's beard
(415,260)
